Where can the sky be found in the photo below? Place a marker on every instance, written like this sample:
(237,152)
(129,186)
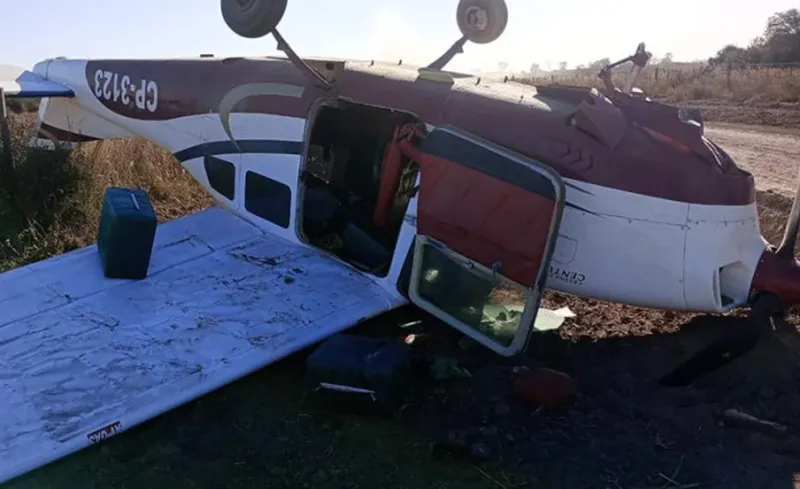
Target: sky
(417,31)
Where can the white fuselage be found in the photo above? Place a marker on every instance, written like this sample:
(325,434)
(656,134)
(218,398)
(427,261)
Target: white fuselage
(626,247)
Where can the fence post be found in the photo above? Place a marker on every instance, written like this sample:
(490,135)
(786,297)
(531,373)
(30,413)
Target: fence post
(5,135)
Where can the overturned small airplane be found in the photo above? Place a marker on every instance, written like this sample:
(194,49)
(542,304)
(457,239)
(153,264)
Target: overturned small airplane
(346,189)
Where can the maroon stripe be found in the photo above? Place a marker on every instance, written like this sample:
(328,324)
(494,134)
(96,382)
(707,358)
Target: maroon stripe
(162,90)
(603,147)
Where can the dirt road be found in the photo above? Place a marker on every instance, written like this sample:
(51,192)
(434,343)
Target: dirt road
(771,155)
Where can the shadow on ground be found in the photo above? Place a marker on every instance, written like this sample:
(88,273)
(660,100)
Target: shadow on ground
(621,431)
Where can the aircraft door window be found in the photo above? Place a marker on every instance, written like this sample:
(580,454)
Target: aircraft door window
(221,176)
(483,275)
(459,290)
(267,198)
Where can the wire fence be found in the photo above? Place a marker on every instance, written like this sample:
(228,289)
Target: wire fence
(737,81)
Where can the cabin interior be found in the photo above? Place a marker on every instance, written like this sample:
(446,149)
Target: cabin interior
(342,181)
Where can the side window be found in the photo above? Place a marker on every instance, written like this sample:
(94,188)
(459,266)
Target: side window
(267,199)
(221,176)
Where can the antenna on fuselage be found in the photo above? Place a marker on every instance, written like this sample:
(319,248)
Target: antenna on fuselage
(257,18)
(480,21)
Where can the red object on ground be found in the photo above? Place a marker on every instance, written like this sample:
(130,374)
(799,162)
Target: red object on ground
(544,387)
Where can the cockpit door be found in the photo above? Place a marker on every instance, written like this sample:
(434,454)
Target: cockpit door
(487,220)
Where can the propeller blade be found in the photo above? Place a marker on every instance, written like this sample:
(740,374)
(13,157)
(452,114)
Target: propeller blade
(786,248)
(726,349)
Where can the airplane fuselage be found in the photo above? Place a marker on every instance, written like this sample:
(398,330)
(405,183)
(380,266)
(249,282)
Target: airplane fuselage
(646,222)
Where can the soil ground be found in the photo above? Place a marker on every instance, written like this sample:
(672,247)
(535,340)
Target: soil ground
(776,114)
(622,431)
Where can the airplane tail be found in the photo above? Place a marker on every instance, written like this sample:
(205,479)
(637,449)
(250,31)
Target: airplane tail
(62,121)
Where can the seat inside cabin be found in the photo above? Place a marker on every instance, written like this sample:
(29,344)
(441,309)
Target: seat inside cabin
(342,185)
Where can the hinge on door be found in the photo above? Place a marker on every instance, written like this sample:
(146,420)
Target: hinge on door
(496,267)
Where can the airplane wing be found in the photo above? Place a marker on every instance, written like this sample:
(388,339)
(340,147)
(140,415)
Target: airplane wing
(19,82)
(83,357)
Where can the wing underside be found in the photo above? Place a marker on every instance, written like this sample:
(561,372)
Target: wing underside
(83,357)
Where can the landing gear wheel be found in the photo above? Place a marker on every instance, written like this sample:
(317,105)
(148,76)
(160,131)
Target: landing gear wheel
(253,18)
(482,21)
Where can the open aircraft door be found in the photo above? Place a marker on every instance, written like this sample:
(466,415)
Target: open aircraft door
(487,222)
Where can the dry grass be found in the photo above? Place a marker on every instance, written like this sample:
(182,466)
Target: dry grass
(22,105)
(747,85)
(50,200)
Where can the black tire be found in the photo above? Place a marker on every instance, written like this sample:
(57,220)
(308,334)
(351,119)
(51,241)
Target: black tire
(253,18)
(496,13)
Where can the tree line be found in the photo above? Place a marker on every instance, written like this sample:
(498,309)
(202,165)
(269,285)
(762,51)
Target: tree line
(779,43)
